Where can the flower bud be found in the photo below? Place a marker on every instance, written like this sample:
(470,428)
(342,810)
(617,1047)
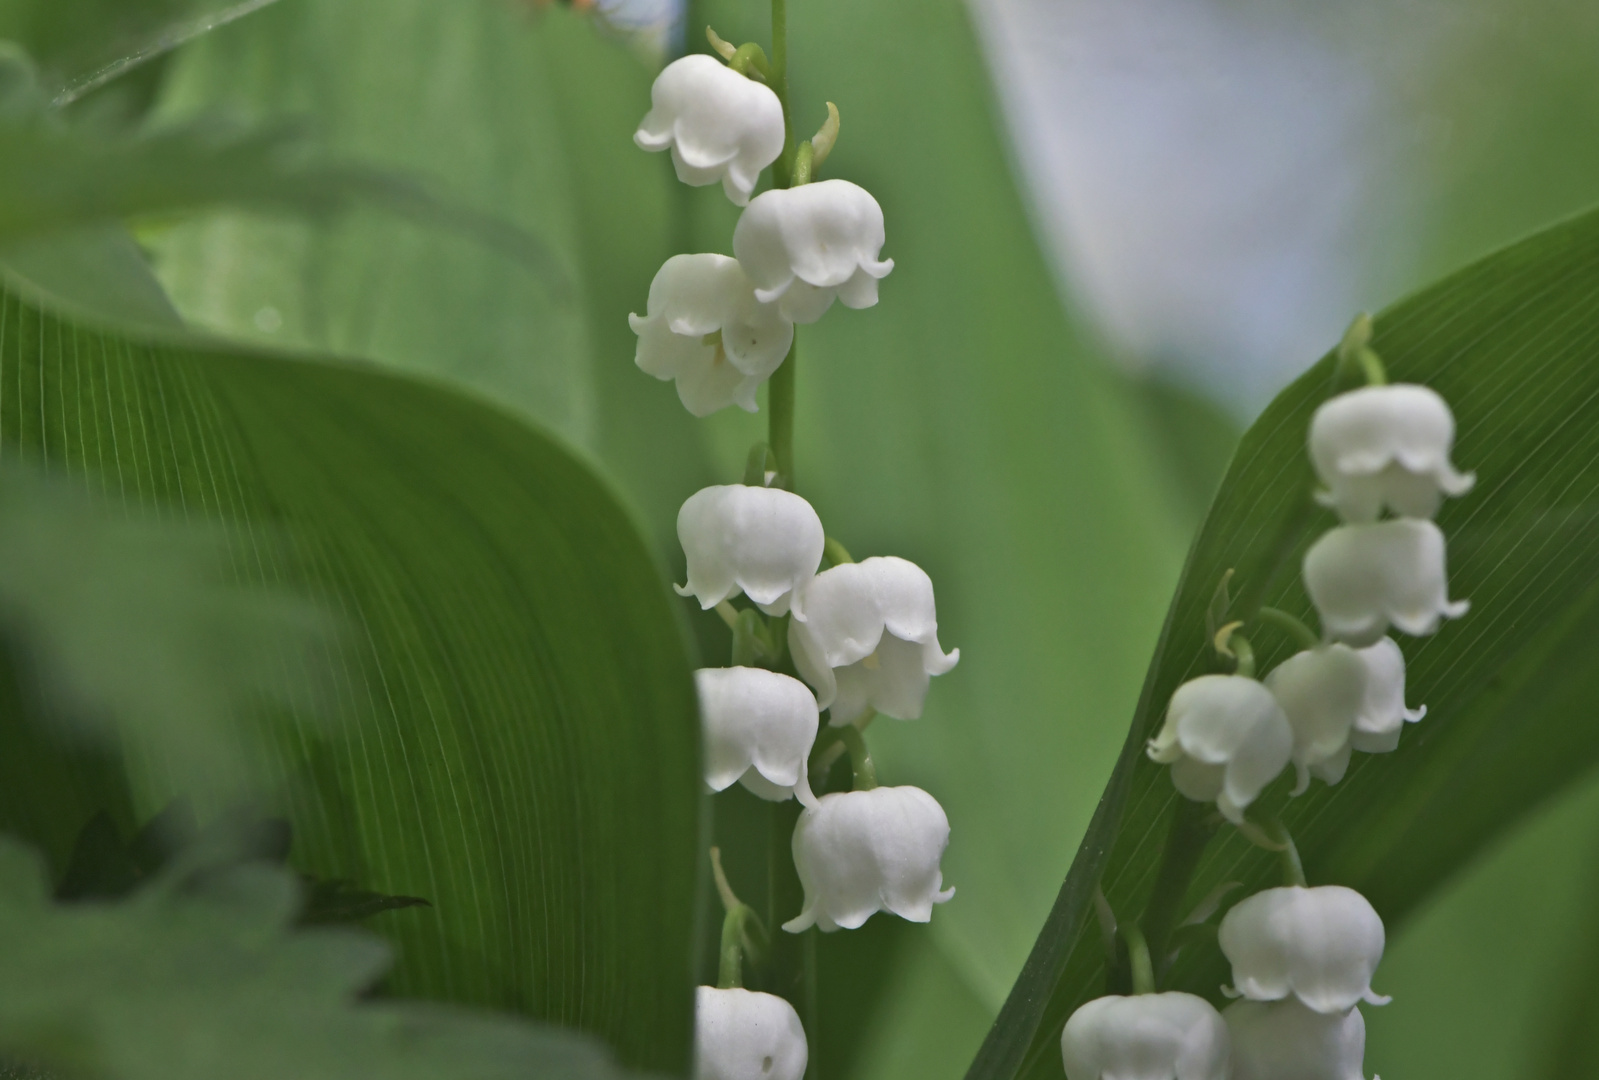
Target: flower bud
(763,542)
(719,124)
(745,1035)
(803,246)
(1283,1039)
(759,728)
(1385,446)
(866,635)
(1225,738)
(1172,1036)
(1321,691)
(1319,945)
(1383,712)
(705,329)
(1362,578)
(861,852)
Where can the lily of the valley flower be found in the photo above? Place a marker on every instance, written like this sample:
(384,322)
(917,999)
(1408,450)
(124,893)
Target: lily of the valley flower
(1362,578)
(719,125)
(1171,1036)
(1319,945)
(1283,1039)
(861,852)
(759,728)
(705,329)
(763,542)
(804,246)
(1322,692)
(1225,738)
(746,1035)
(1383,712)
(1386,446)
(866,635)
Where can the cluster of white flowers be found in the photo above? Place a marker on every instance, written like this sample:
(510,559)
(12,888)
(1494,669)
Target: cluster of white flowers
(1302,958)
(863,636)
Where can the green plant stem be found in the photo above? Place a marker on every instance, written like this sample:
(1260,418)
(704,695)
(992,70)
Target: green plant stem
(1244,656)
(804,164)
(1302,634)
(1293,866)
(781,168)
(1138,951)
(860,760)
(780,418)
(837,554)
(1190,832)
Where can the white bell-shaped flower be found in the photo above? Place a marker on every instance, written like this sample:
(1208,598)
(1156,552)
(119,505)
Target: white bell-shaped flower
(1383,713)
(746,1035)
(1319,945)
(1364,578)
(705,329)
(1171,1036)
(763,542)
(804,246)
(719,125)
(1322,692)
(759,728)
(1385,446)
(866,635)
(1283,1040)
(1225,738)
(861,852)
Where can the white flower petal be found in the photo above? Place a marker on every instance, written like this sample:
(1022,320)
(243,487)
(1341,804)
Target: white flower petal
(860,852)
(1362,578)
(1383,713)
(719,125)
(1321,945)
(1386,446)
(820,240)
(1172,1036)
(756,722)
(1282,1040)
(764,542)
(1227,725)
(746,1035)
(1321,691)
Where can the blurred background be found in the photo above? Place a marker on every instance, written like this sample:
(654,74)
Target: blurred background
(1119,228)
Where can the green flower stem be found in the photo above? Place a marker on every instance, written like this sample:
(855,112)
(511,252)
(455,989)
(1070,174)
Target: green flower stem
(837,554)
(1138,951)
(748,58)
(1302,634)
(1244,654)
(804,163)
(740,928)
(780,418)
(860,760)
(1293,866)
(748,646)
(779,84)
(757,464)
(1190,832)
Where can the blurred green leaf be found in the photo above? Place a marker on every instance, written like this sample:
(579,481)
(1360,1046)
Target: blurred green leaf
(1511,687)
(201,975)
(96,272)
(490,757)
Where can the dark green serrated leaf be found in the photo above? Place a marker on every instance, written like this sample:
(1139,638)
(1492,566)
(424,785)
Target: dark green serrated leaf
(518,732)
(1511,687)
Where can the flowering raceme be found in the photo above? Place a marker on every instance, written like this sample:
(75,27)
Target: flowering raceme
(705,329)
(718,124)
(1172,1036)
(746,1035)
(1362,578)
(1225,738)
(1385,446)
(803,246)
(759,728)
(861,852)
(1319,945)
(763,542)
(865,635)
(1283,1040)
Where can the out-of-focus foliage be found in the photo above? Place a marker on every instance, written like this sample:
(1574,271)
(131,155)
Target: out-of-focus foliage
(201,973)
(1508,343)
(488,756)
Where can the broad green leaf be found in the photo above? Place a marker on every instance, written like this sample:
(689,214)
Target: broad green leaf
(202,974)
(97,271)
(1510,687)
(520,740)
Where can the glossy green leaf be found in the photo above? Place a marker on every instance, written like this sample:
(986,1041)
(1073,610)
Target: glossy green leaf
(1510,687)
(518,740)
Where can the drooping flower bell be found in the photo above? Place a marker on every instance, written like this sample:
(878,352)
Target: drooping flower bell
(1172,1036)
(720,125)
(1322,692)
(861,852)
(865,635)
(1385,446)
(806,245)
(1225,738)
(763,542)
(1383,713)
(746,1035)
(759,727)
(705,329)
(1364,578)
(1282,1039)
(1319,945)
